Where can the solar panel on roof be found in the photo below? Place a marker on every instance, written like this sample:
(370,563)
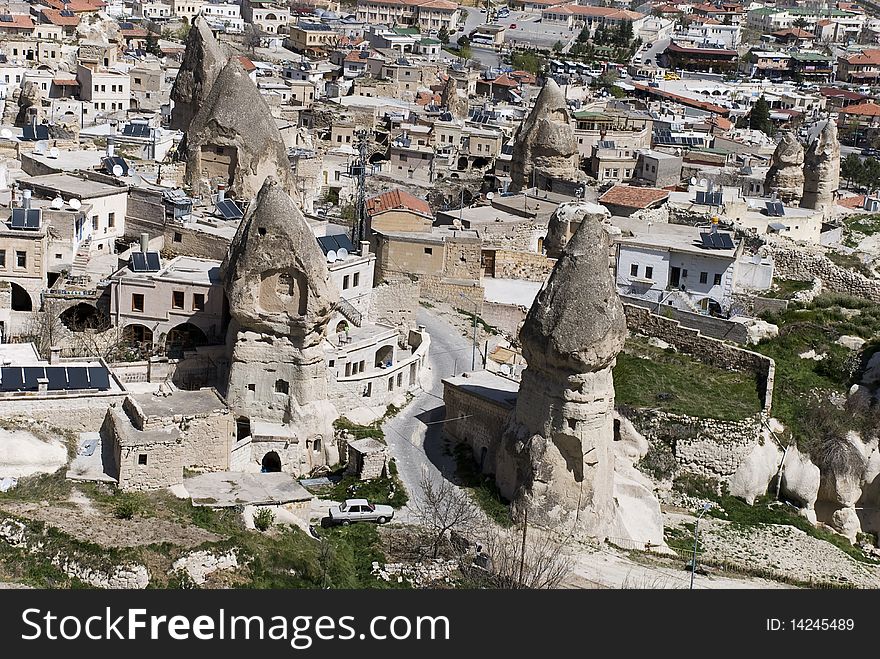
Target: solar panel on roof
(11,378)
(706,239)
(31,376)
(42,132)
(28,133)
(6,18)
(726,240)
(153,264)
(327,244)
(229,210)
(67,13)
(111,162)
(77,377)
(138,262)
(343,242)
(99,378)
(57,376)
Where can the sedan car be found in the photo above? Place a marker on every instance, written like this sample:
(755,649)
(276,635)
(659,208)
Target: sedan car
(360,510)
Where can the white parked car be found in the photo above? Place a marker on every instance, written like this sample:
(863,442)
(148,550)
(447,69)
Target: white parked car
(360,510)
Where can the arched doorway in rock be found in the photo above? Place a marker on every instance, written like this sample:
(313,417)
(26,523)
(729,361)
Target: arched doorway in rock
(21,299)
(185,336)
(384,356)
(271,463)
(84,316)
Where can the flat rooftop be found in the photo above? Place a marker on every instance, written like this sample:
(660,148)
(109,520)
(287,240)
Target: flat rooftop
(201,401)
(70,160)
(492,387)
(192,269)
(224,489)
(72,186)
(672,237)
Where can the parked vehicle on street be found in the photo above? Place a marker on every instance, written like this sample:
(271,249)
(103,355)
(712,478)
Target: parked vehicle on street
(360,510)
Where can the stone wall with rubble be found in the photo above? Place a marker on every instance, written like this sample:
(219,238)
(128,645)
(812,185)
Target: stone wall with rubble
(193,242)
(529,266)
(78,413)
(707,350)
(506,317)
(805,264)
(476,421)
(708,447)
(395,302)
(518,237)
(444,289)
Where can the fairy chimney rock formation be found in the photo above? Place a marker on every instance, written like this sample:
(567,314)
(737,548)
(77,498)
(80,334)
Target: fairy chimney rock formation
(556,461)
(202,62)
(822,169)
(280,299)
(786,174)
(544,147)
(566,219)
(455,103)
(234,139)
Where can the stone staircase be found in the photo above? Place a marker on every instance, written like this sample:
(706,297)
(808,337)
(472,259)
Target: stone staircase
(81,260)
(351,314)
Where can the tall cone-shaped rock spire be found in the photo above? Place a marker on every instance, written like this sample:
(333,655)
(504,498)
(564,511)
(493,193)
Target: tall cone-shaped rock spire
(822,169)
(234,139)
(202,62)
(544,146)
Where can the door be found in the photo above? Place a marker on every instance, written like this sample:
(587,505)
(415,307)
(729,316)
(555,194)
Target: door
(674,277)
(488,259)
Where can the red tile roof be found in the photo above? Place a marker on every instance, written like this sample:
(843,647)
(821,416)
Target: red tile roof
(18,22)
(246,63)
(632,197)
(794,32)
(834,92)
(76,6)
(397,199)
(867,56)
(55,18)
(867,109)
(684,100)
(852,202)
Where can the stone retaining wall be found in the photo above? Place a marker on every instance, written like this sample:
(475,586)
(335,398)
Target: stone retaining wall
(442,289)
(528,266)
(806,265)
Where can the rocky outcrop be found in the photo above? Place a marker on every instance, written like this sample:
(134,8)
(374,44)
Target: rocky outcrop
(566,219)
(28,96)
(755,472)
(202,62)
(455,103)
(234,139)
(545,147)
(556,462)
(822,169)
(786,174)
(199,565)
(800,482)
(281,299)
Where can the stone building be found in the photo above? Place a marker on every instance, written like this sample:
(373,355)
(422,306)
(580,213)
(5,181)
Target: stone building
(366,458)
(545,150)
(233,139)
(281,300)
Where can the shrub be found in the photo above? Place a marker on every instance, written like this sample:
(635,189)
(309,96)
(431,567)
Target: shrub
(263,519)
(125,507)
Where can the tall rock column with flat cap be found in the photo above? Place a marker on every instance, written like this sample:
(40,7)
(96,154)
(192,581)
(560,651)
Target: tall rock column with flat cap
(822,169)
(544,146)
(556,461)
(281,299)
(202,62)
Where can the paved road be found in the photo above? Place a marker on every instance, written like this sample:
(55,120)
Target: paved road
(415,440)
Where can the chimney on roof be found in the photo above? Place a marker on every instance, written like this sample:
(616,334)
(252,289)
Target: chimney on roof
(365,247)
(54,355)
(145,242)
(221,192)
(111,149)
(25,198)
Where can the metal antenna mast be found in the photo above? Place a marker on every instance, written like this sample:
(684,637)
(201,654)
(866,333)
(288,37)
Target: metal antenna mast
(358,171)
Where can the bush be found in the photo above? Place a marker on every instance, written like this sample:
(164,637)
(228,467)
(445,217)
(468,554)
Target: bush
(263,519)
(126,506)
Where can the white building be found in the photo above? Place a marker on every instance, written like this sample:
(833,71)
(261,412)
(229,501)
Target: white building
(225,15)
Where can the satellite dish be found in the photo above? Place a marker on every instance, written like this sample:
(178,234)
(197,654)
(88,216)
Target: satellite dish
(117,170)
(704,182)
(75,204)
(53,152)
(490,196)
(57,203)
(40,147)
(331,256)
(341,253)
(6,134)
(693,180)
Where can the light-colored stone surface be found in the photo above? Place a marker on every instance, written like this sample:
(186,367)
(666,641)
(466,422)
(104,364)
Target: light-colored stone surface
(455,103)
(202,62)
(851,342)
(822,169)
(24,454)
(566,219)
(800,481)
(786,175)
(199,565)
(755,472)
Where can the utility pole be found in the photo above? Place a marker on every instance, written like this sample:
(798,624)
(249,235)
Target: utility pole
(705,509)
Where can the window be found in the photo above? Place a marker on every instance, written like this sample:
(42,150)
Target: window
(111,219)
(649,272)
(347,370)
(634,270)
(2,258)
(717,280)
(94,222)
(704,277)
(282,387)
(57,256)
(391,383)
(137,81)
(399,379)
(20,259)
(178,237)
(177,299)
(345,282)
(357,279)
(137,302)
(252,387)
(142,458)
(429,250)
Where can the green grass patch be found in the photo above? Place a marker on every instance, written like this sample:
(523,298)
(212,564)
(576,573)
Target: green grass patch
(867,225)
(481,487)
(373,431)
(388,490)
(647,377)
(784,289)
(850,262)
(490,329)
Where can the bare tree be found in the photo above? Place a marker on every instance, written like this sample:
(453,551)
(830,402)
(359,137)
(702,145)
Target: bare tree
(252,38)
(443,508)
(526,560)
